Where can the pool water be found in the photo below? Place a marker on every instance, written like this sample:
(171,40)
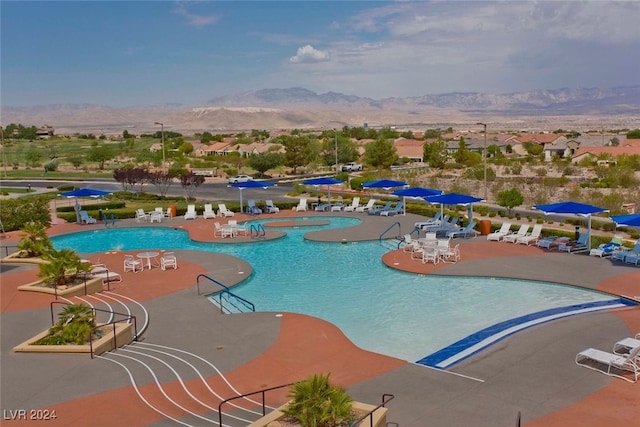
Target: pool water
(380,309)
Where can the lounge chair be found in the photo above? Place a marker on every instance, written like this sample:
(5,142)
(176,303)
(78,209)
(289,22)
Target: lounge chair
(626,345)
(551,242)
(512,237)
(167,260)
(86,219)
(370,204)
(379,209)
(355,203)
(141,216)
(624,252)
(252,209)
(579,245)
(107,276)
(302,205)
(396,210)
(432,221)
(611,364)
(208,211)
(271,208)
(132,264)
(465,232)
(436,226)
(497,235)
(223,211)
(530,237)
(607,249)
(191,212)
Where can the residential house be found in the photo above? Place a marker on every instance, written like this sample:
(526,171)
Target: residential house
(629,148)
(45,132)
(411,149)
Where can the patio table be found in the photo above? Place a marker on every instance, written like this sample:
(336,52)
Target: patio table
(148,256)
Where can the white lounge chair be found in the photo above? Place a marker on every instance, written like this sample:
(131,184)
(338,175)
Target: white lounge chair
(370,204)
(132,264)
(433,221)
(302,205)
(223,211)
(355,203)
(611,364)
(465,232)
(530,237)
(208,211)
(607,249)
(626,345)
(579,245)
(191,212)
(167,260)
(107,276)
(86,219)
(512,237)
(271,208)
(497,235)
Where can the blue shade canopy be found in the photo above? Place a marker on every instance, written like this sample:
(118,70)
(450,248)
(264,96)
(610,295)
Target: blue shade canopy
(569,208)
(417,192)
(85,192)
(384,183)
(250,184)
(632,220)
(453,199)
(322,181)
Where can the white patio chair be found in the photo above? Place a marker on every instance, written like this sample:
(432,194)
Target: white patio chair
(302,205)
(223,211)
(208,211)
(132,264)
(141,216)
(191,212)
(168,260)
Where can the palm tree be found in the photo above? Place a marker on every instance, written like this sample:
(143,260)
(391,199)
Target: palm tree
(34,241)
(64,267)
(76,323)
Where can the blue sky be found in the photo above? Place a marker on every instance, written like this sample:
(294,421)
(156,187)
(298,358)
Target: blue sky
(121,53)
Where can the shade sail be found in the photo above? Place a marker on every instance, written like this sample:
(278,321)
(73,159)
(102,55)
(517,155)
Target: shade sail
(328,181)
(414,192)
(574,208)
(85,192)
(250,184)
(632,220)
(387,184)
(454,199)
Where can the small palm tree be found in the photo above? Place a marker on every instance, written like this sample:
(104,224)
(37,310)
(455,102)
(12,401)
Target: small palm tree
(316,403)
(76,323)
(34,241)
(64,267)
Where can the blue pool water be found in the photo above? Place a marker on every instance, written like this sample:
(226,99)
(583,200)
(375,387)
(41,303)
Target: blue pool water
(380,309)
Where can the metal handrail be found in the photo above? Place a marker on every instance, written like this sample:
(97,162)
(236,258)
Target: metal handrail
(257,228)
(386,398)
(264,406)
(225,290)
(389,229)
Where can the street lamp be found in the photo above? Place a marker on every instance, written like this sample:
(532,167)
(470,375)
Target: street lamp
(484,160)
(335,132)
(162,139)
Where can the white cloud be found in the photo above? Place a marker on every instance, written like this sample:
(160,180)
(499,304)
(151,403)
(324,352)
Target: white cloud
(309,54)
(193,19)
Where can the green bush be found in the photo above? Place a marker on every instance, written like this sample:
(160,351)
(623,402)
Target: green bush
(15,213)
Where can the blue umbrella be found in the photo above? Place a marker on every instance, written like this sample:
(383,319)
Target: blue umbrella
(328,181)
(387,184)
(454,199)
(632,220)
(575,208)
(250,184)
(85,192)
(415,192)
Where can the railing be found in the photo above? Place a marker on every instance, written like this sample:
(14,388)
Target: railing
(259,229)
(386,398)
(262,392)
(389,229)
(234,300)
(126,318)
(5,249)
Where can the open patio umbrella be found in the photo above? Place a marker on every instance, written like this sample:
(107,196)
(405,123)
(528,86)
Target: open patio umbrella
(250,184)
(415,193)
(581,209)
(631,220)
(83,192)
(455,199)
(328,181)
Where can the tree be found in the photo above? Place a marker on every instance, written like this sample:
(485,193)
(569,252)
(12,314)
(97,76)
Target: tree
(435,153)
(262,162)
(162,181)
(130,177)
(206,137)
(33,157)
(510,199)
(462,153)
(100,154)
(75,161)
(633,134)
(299,151)
(34,241)
(190,181)
(347,151)
(381,154)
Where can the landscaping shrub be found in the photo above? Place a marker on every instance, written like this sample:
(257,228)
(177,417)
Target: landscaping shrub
(15,213)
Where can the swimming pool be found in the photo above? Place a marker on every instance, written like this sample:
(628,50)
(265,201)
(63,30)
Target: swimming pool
(380,309)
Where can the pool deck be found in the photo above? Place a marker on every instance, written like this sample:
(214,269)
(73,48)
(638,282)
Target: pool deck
(532,372)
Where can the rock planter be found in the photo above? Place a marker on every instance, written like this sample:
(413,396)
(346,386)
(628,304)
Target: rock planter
(92,286)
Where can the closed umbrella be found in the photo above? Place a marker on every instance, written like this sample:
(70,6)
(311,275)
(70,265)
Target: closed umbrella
(581,209)
(250,184)
(328,181)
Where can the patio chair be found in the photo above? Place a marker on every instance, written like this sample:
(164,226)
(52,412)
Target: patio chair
(410,245)
(302,205)
(141,215)
(579,245)
(208,211)
(107,276)
(355,203)
(512,237)
(607,249)
(452,255)
(396,210)
(530,237)
(223,211)
(465,232)
(167,260)
(377,210)
(132,264)
(622,254)
(86,219)
(432,221)
(551,242)
(191,212)
(252,209)
(156,216)
(271,208)
(429,254)
(223,230)
(611,364)
(168,213)
(497,235)
(626,345)
(370,204)
(237,228)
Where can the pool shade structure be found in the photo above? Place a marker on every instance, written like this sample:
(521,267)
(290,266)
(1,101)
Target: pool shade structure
(328,181)
(386,184)
(455,199)
(83,192)
(632,220)
(250,184)
(575,208)
(415,193)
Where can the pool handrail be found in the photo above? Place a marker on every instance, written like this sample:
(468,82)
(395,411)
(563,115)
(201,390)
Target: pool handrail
(389,229)
(257,228)
(225,290)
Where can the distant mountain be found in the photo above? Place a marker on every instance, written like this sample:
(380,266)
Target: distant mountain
(297,107)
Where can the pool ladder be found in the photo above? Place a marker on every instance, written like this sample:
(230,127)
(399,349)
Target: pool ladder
(234,303)
(260,232)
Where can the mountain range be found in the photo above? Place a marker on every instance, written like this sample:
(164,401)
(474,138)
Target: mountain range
(300,108)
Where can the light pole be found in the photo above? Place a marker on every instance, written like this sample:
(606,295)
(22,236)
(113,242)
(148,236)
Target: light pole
(484,160)
(162,139)
(335,132)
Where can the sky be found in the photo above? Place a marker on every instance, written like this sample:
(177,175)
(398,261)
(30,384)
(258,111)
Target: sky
(121,53)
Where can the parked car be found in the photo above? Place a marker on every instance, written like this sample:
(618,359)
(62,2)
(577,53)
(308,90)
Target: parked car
(351,167)
(239,178)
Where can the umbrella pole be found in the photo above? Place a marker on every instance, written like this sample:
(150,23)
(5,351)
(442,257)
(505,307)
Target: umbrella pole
(241,200)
